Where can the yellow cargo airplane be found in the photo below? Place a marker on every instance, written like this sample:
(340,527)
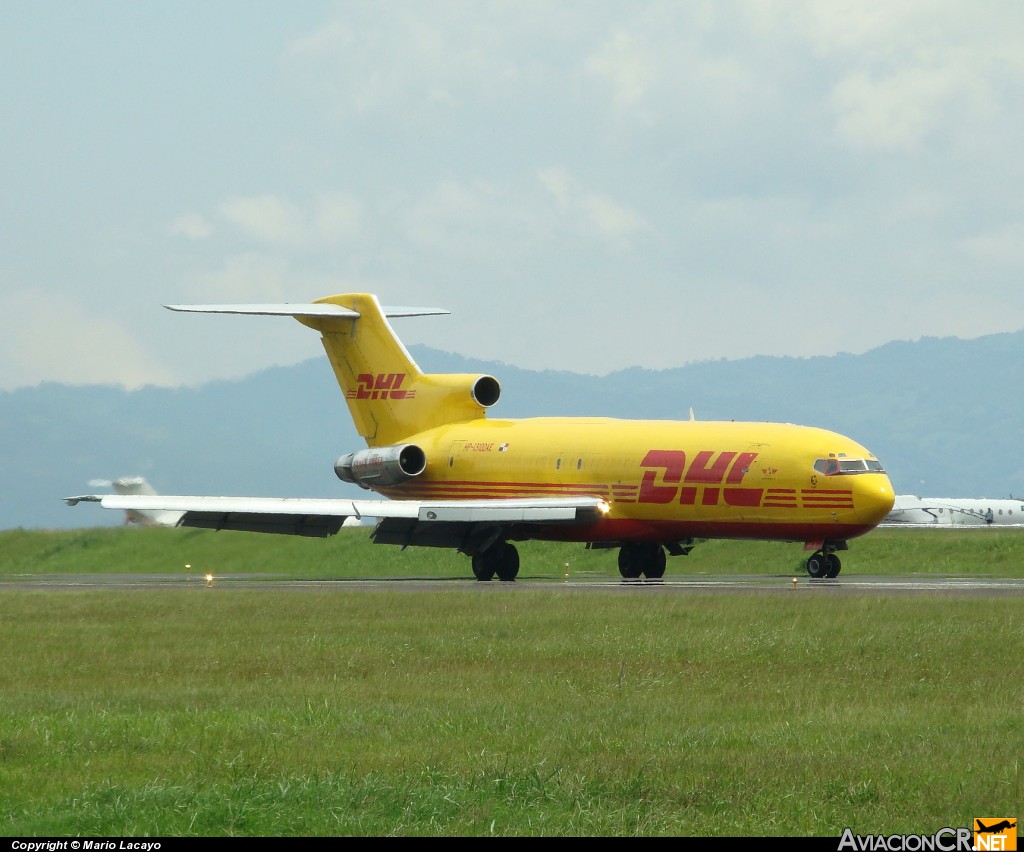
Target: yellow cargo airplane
(455,478)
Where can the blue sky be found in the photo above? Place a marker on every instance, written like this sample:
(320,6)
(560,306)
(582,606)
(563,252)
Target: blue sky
(586,186)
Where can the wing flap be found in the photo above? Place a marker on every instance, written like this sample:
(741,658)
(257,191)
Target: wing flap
(512,510)
(317,526)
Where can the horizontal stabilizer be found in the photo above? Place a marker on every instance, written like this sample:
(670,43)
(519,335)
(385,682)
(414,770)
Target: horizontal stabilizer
(318,309)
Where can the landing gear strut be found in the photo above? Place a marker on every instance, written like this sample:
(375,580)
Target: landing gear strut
(638,558)
(823,564)
(501,559)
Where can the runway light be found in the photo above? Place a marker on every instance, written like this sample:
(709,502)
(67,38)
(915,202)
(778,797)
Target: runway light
(794,584)
(209,580)
(188,567)
(567,572)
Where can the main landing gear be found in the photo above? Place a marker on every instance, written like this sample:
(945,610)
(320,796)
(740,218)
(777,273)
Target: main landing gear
(642,558)
(501,559)
(823,564)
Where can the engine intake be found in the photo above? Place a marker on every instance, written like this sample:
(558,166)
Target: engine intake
(381,466)
(486,391)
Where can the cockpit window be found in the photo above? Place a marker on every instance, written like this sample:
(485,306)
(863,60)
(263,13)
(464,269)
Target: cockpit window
(844,466)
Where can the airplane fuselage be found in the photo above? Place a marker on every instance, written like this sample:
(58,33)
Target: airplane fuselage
(662,480)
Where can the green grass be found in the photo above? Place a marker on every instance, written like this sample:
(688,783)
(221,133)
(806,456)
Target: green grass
(522,710)
(982,552)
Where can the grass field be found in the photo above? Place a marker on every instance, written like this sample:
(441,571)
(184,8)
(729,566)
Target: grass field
(502,709)
(984,551)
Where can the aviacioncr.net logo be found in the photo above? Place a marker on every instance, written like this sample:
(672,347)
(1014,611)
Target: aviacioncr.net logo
(944,840)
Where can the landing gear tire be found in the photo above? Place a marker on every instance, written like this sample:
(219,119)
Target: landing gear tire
(655,569)
(817,565)
(482,567)
(834,566)
(508,561)
(501,559)
(642,558)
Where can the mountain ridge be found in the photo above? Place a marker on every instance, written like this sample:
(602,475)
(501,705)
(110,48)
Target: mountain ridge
(942,414)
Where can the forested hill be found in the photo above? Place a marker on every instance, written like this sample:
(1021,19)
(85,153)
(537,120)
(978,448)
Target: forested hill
(943,414)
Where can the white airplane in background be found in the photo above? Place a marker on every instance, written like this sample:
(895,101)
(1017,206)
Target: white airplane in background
(938,512)
(133,486)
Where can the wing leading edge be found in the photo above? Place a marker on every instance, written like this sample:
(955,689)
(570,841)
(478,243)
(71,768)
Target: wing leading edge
(424,522)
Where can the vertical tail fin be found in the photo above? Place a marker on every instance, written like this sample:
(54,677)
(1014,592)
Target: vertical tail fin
(388,396)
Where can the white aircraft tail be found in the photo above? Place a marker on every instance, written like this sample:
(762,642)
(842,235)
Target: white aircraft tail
(134,486)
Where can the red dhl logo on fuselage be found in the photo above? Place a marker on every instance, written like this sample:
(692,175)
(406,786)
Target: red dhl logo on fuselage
(380,386)
(715,478)
(669,479)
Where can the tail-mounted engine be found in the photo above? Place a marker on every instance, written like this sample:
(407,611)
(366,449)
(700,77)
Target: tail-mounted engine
(485,390)
(381,466)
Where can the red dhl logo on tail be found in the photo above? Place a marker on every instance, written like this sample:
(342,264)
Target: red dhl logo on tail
(380,386)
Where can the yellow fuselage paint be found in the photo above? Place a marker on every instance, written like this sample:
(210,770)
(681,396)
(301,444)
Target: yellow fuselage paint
(660,478)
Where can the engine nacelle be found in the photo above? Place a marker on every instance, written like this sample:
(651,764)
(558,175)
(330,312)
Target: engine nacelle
(485,391)
(381,466)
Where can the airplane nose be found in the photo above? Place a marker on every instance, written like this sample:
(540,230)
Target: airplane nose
(875,498)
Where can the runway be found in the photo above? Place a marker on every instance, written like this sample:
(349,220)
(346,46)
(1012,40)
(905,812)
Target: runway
(736,584)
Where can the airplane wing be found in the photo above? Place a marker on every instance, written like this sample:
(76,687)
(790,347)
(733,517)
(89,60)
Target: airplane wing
(438,523)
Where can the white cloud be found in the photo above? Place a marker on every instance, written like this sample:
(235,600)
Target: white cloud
(898,111)
(609,218)
(462,220)
(1001,249)
(274,222)
(336,216)
(559,183)
(244,278)
(192,225)
(628,69)
(267,219)
(484,153)
(402,60)
(77,347)
(596,213)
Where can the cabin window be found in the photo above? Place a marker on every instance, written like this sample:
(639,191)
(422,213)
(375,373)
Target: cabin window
(844,466)
(579,464)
